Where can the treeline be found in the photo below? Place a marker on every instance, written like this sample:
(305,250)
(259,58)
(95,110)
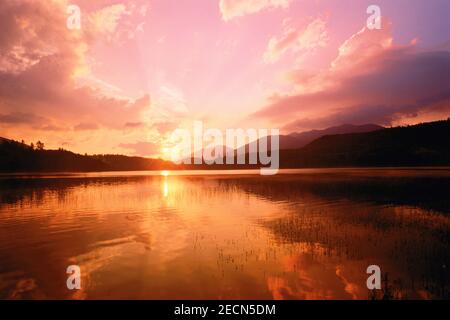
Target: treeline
(19,157)
(426,144)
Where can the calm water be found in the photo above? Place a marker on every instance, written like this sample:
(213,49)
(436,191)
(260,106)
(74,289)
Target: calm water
(303,234)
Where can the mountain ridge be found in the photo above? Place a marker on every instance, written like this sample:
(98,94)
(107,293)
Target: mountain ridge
(414,145)
(425,144)
(296,140)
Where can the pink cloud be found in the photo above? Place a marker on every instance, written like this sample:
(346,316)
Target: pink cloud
(117,22)
(297,40)
(46,82)
(106,20)
(371,80)
(236,8)
(40,62)
(31,31)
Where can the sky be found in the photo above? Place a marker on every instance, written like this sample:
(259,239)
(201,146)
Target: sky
(137,70)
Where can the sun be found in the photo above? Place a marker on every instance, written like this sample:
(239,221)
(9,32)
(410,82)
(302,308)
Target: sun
(165,173)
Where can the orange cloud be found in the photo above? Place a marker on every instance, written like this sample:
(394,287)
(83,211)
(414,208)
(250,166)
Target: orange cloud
(143,148)
(237,8)
(47,87)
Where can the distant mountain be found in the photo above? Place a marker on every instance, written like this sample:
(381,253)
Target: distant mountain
(426,144)
(301,139)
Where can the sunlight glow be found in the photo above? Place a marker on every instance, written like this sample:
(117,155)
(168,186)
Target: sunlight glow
(165,173)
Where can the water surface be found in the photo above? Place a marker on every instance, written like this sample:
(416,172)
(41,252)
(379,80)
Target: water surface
(302,234)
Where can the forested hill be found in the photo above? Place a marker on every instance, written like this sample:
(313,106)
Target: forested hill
(426,144)
(19,157)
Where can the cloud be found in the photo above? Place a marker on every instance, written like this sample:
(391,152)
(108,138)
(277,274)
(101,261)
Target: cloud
(165,127)
(371,80)
(142,148)
(358,115)
(237,8)
(20,118)
(132,125)
(296,40)
(363,45)
(50,127)
(106,20)
(32,30)
(41,62)
(117,22)
(144,9)
(85,126)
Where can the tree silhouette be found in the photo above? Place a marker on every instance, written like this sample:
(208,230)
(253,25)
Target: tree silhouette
(40,145)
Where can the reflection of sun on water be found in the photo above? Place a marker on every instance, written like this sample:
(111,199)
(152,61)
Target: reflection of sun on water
(165,188)
(165,174)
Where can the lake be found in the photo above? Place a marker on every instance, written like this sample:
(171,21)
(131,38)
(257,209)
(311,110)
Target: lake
(302,234)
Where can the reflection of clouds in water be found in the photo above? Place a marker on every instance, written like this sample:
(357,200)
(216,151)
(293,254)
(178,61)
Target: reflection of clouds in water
(301,237)
(405,242)
(102,258)
(95,260)
(354,289)
(19,286)
(309,276)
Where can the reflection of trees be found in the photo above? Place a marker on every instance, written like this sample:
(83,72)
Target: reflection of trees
(424,192)
(400,222)
(33,190)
